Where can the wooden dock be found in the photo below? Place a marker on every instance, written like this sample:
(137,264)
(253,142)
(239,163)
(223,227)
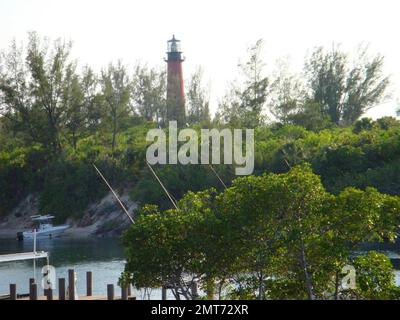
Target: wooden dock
(68,292)
(83,298)
(23,256)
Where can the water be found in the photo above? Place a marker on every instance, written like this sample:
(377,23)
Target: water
(103,256)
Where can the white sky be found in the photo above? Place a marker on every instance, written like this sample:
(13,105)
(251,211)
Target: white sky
(214,33)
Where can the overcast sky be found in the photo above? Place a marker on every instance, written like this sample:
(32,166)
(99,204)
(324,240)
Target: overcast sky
(214,33)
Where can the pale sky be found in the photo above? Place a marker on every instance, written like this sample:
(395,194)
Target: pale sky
(214,33)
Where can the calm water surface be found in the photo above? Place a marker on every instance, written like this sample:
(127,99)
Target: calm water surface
(105,258)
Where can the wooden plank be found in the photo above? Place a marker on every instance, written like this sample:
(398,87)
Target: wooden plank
(23,256)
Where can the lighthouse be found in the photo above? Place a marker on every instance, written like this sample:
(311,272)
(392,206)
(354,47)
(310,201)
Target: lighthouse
(175,92)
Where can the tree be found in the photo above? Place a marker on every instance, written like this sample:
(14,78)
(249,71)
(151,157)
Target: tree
(229,108)
(244,104)
(345,92)
(385,123)
(309,116)
(160,247)
(291,237)
(32,91)
(83,106)
(375,278)
(363,124)
(198,99)
(116,90)
(296,200)
(148,93)
(286,93)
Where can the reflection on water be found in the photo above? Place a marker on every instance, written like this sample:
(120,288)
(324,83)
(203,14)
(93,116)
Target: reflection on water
(104,257)
(69,251)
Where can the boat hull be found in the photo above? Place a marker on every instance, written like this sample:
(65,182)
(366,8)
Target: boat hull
(47,233)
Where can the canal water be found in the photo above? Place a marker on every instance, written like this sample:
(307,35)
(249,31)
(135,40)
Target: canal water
(105,258)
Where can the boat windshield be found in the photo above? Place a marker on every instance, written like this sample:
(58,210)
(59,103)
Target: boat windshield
(41,220)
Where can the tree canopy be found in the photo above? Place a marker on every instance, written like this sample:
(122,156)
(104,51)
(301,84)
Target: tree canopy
(276,236)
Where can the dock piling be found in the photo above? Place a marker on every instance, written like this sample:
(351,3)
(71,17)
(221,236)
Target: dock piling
(124,293)
(13,291)
(49,294)
(61,289)
(33,291)
(67,290)
(71,284)
(89,283)
(110,292)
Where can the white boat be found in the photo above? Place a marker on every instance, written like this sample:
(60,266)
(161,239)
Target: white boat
(43,227)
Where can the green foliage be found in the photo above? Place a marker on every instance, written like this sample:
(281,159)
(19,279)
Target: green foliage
(345,91)
(341,157)
(242,107)
(279,236)
(55,116)
(375,277)
(178,179)
(61,193)
(148,92)
(198,100)
(21,172)
(310,117)
(329,92)
(166,241)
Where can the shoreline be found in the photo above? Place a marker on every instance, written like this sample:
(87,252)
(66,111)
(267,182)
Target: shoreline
(8,233)
(101,219)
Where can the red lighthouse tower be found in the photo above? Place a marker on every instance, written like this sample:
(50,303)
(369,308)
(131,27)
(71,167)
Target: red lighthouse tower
(175,94)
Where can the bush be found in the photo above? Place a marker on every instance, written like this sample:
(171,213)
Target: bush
(69,188)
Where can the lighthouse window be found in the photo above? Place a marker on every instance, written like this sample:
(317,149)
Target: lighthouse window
(173,47)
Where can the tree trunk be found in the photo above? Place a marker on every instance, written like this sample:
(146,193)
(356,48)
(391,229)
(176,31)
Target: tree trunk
(114,133)
(261,286)
(307,276)
(336,286)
